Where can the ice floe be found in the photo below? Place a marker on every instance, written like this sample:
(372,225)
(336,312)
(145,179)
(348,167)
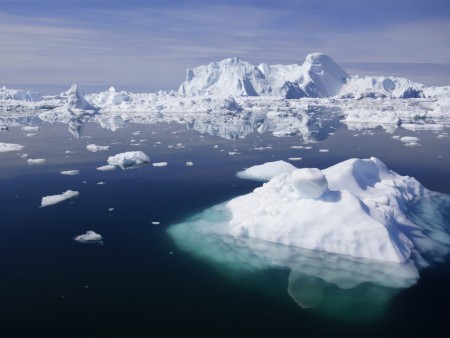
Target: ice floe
(159,164)
(70,172)
(7,147)
(33,161)
(107,167)
(89,237)
(95,148)
(54,199)
(129,159)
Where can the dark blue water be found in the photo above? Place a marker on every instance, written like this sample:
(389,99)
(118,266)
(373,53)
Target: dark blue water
(139,283)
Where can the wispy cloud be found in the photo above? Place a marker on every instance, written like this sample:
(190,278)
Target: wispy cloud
(150,44)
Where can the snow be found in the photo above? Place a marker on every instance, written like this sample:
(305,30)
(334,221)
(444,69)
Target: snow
(129,159)
(266,171)
(70,172)
(54,199)
(309,182)
(95,148)
(89,237)
(7,147)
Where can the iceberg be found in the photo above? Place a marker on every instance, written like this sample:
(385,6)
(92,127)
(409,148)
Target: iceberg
(54,199)
(70,172)
(354,225)
(89,237)
(129,159)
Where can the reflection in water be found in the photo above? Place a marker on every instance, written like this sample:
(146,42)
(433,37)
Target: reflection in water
(342,286)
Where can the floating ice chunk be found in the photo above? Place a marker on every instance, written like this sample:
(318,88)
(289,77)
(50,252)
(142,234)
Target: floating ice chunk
(107,167)
(6,147)
(155,223)
(231,153)
(53,199)
(31,134)
(309,182)
(160,164)
(24,156)
(89,237)
(94,148)
(189,164)
(101,183)
(129,159)
(111,209)
(410,141)
(30,128)
(323,150)
(33,161)
(70,172)
(294,158)
(266,171)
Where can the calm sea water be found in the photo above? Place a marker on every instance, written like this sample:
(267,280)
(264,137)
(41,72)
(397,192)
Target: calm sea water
(139,283)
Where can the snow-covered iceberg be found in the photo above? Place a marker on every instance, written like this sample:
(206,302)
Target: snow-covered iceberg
(353,225)
(7,147)
(129,159)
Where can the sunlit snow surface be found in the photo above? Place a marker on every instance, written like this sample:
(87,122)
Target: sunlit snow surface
(332,254)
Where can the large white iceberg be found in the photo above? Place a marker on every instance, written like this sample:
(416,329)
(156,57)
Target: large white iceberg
(355,226)
(129,159)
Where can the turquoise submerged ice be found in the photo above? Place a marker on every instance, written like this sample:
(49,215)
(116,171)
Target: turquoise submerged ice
(353,223)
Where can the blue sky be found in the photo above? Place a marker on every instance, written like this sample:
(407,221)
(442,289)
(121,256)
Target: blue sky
(147,45)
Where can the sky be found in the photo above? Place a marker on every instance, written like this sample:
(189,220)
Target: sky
(145,45)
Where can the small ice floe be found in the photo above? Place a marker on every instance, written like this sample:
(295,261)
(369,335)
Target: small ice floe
(443,135)
(160,164)
(111,209)
(180,146)
(68,152)
(129,159)
(266,171)
(100,183)
(70,172)
(396,137)
(136,133)
(33,161)
(232,153)
(262,148)
(30,128)
(31,134)
(155,223)
(53,199)
(107,167)
(323,150)
(189,164)
(90,237)
(24,156)
(6,147)
(301,147)
(216,146)
(94,148)
(294,158)
(410,141)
